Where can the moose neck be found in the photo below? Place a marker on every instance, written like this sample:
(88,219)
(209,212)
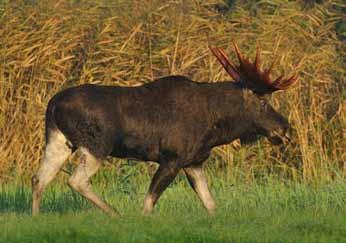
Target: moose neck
(231,118)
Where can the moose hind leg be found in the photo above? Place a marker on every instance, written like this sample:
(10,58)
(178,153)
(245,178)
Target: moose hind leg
(161,180)
(198,182)
(55,154)
(80,181)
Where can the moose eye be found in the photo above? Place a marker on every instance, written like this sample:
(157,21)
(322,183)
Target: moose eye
(264,104)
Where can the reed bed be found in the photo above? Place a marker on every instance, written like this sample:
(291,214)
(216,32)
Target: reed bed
(46,46)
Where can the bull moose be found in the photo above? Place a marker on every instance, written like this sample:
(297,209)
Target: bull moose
(172,121)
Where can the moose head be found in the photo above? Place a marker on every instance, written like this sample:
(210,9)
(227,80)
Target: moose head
(257,86)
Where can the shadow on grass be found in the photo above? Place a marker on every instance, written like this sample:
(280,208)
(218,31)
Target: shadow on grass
(19,199)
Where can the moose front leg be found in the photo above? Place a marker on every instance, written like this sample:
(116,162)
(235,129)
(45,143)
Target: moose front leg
(164,175)
(198,182)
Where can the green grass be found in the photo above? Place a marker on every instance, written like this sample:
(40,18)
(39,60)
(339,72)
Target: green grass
(270,212)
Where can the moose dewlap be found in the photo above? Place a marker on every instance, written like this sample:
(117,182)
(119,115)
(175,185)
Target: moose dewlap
(172,121)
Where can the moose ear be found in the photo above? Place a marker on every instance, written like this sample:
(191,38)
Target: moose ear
(248,96)
(247,93)
(266,97)
(251,97)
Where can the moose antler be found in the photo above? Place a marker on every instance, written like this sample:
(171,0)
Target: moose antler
(249,74)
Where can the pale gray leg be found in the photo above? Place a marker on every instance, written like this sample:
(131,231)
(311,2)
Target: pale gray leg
(55,154)
(80,181)
(198,182)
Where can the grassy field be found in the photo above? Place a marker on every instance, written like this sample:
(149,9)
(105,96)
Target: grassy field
(270,212)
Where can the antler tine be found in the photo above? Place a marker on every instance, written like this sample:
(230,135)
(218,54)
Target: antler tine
(277,81)
(228,66)
(294,80)
(257,60)
(226,58)
(240,56)
(288,82)
(271,67)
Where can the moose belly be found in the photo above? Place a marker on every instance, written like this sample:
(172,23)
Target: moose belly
(134,148)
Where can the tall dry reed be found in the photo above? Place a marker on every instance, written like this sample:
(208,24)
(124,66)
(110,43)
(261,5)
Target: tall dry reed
(46,46)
